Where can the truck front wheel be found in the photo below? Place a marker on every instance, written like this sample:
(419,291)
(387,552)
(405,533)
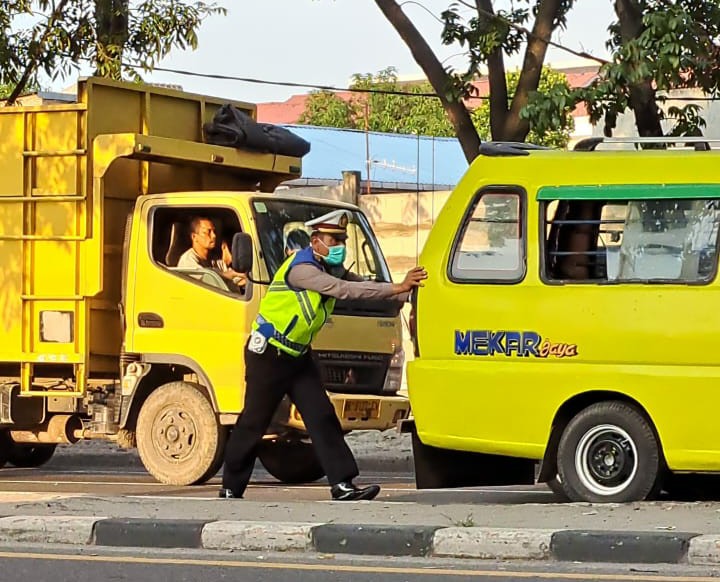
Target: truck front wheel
(179,438)
(290,461)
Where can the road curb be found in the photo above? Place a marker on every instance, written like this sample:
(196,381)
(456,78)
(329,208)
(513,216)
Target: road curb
(260,536)
(620,547)
(149,533)
(493,544)
(374,540)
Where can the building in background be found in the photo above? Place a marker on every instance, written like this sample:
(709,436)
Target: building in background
(288,112)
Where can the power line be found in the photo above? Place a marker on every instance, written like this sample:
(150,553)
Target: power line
(522,29)
(350,89)
(288,83)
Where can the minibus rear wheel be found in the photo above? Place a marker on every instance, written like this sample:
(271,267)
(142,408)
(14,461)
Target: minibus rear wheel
(609,453)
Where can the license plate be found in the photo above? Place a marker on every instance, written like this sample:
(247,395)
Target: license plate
(355,409)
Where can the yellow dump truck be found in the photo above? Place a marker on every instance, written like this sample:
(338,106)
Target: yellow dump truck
(104,336)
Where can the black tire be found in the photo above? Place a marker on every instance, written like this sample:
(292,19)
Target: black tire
(555,485)
(179,438)
(609,453)
(290,461)
(6,444)
(28,455)
(219,460)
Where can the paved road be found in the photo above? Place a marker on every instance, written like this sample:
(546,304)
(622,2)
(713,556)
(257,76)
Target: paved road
(125,490)
(50,564)
(122,481)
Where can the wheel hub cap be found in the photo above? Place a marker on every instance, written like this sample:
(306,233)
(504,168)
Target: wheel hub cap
(175,433)
(606,460)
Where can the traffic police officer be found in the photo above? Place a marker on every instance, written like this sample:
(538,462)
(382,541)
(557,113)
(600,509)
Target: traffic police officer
(278,361)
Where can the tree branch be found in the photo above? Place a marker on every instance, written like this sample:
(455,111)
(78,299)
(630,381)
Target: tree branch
(516,129)
(32,64)
(497,80)
(438,77)
(530,34)
(642,94)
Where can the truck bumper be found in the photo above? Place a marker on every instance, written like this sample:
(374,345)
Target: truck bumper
(361,412)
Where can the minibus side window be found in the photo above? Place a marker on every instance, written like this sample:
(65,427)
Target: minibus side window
(625,241)
(490,246)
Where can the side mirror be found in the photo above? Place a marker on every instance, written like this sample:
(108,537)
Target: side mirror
(242,252)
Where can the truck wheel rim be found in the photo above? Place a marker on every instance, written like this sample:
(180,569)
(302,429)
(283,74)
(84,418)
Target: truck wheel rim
(606,460)
(175,434)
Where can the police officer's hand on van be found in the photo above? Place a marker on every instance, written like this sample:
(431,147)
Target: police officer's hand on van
(414,278)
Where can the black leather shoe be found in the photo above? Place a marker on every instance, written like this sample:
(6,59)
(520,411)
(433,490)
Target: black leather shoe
(346,491)
(227,494)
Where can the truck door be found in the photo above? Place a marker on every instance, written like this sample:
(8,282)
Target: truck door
(187,314)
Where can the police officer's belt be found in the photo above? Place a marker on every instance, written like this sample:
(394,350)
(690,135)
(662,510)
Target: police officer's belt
(281,339)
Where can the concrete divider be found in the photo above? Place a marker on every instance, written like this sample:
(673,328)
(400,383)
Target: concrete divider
(649,547)
(49,529)
(492,543)
(258,536)
(374,540)
(704,550)
(621,547)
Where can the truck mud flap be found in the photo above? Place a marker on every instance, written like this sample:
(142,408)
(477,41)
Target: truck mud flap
(442,468)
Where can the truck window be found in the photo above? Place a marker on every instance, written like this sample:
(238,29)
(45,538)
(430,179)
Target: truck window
(617,241)
(170,239)
(490,245)
(277,219)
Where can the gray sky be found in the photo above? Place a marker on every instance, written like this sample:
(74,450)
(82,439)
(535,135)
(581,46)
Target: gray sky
(326,41)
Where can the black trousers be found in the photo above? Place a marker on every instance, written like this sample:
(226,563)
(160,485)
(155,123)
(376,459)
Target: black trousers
(269,377)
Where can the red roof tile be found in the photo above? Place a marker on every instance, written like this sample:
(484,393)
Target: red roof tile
(289,112)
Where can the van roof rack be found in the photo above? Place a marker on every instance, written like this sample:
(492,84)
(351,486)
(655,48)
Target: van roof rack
(589,144)
(508,148)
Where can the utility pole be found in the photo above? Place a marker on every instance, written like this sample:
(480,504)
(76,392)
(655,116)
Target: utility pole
(367,144)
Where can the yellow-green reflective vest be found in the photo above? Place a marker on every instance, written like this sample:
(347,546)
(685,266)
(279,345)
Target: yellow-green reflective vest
(295,314)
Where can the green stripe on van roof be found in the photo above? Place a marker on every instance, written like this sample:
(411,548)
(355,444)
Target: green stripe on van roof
(629,192)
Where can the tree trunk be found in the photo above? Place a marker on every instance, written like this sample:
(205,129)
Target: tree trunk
(497,80)
(111,17)
(642,94)
(516,128)
(433,69)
